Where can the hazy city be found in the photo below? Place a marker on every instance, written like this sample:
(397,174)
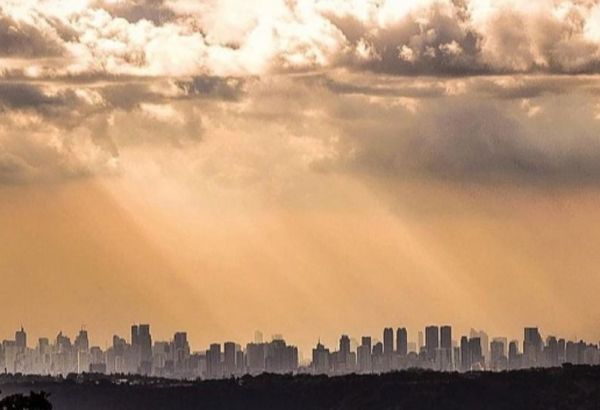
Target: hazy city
(299,204)
(434,349)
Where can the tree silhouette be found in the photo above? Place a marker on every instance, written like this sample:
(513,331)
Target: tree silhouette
(34,401)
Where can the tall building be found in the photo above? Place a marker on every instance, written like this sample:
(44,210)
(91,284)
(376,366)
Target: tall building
(255,357)
(499,360)
(446,337)
(551,352)
(141,349)
(561,350)
(240,362)
(388,341)
(21,339)
(134,335)
(281,358)
(465,354)
(377,358)
(402,341)
(476,353)
(82,342)
(485,342)
(514,360)
(82,346)
(344,355)
(213,361)
(344,345)
(432,341)
(364,359)
(320,359)
(532,346)
(145,343)
(444,360)
(229,358)
(181,352)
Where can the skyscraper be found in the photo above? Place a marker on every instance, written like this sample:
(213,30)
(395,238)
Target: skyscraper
(320,359)
(513,355)
(344,345)
(141,348)
(432,341)
(476,354)
(446,337)
(445,352)
(82,343)
(344,354)
(229,358)
(551,352)
(21,339)
(281,358)
(145,342)
(498,358)
(364,359)
(532,346)
(255,357)
(388,341)
(213,361)
(134,335)
(181,351)
(465,354)
(402,341)
(484,340)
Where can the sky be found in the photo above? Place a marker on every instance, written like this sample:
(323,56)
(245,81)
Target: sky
(306,168)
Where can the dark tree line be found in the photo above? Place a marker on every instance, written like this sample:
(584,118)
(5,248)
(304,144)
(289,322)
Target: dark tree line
(32,401)
(570,387)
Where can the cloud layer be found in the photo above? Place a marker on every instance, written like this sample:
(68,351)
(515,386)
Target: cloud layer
(179,37)
(467,90)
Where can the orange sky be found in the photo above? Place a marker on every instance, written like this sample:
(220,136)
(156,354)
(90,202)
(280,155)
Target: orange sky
(88,252)
(305,168)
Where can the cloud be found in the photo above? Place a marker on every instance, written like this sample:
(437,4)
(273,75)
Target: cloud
(175,38)
(136,10)
(226,88)
(436,88)
(467,138)
(37,37)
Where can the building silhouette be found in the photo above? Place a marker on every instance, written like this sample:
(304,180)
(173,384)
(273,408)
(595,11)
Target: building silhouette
(432,342)
(174,358)
(402,341)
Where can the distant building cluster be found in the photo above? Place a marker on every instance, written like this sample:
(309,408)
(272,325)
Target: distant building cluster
(140,355)
(439,351)
(435,349)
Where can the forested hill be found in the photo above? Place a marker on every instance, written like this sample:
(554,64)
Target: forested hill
(570,387)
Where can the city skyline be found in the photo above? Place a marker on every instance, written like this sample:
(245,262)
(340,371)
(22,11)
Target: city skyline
(435,348)
(305,167)
(329,337)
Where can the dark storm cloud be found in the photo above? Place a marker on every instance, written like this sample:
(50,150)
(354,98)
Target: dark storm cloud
(21,39)
(462,39)
(59,106)
(136,10)
(430,89)
(440,46)
(225,88)
(22,95)
(472,140)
